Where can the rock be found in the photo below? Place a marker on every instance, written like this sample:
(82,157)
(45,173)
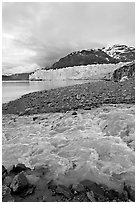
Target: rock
(52,185)
(123,196)
(111,194)
(74,113)
(27,191)
(87,184)
(81,197)
(19,182)
(90,196)
(8,180)
(6,194)
(131,191)
(125,72)
(19,167)
(98,190)
(78,188)
(35,118)
(64,191)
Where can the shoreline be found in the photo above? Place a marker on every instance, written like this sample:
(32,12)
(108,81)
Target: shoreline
(48,123)
(79,96)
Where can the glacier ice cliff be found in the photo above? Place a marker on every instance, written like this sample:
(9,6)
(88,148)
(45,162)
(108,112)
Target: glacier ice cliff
(97,71)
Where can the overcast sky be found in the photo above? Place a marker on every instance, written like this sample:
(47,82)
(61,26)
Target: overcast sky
(41,33)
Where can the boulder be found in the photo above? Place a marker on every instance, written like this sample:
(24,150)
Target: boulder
(6,194)
(7,181)
(19,182)
(63,190)
(131,191)
(20,167)
(90,196)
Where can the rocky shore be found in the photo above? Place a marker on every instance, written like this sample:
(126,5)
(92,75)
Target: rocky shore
(22,184)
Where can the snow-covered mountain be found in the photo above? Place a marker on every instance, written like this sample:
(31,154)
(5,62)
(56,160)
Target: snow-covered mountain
(122,53)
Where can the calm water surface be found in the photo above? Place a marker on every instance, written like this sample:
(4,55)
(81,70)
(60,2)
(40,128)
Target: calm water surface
(12,90)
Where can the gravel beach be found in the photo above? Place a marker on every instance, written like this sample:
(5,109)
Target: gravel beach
(83,96)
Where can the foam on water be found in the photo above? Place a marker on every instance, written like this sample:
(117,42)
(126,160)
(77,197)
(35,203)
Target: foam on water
(97,144)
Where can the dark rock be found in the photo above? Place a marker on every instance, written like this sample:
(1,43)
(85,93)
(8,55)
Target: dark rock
(131,192)
(123,196)
(81,197)
(87,108)
(111,194)
(19,182)
(6,194)
(74,113)
(98,190)
(35,118)
(20,167)
(28,191)
(88,184)
(78,188)
(52,185)
(61,189)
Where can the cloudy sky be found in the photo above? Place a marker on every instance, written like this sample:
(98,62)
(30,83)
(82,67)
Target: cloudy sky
(38,34)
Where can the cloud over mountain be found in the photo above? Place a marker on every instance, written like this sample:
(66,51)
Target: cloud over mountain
(41,33)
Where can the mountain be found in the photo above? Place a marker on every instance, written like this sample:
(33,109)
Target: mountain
(122,53)
(21,76)
(84,57)
(127,71)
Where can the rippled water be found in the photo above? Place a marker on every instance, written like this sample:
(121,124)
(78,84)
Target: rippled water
(12,90)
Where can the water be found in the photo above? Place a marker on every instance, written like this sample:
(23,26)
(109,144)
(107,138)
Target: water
(12,90)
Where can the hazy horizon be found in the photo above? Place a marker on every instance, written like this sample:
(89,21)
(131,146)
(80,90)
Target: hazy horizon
(38,34)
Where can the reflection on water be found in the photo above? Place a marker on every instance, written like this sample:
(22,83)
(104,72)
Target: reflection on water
(12,90)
